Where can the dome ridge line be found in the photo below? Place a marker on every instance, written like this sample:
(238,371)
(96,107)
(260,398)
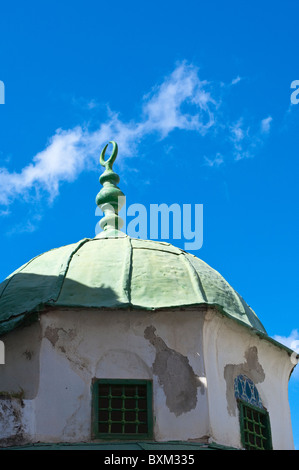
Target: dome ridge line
(62,274)
(127,271)
(194,276)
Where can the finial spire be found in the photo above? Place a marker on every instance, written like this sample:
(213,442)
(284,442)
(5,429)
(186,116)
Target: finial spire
(110,199)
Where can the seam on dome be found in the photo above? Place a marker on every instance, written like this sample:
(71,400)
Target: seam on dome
(23,267)
(150,241)
(232,291)
(127,271)
(156,249)
(194,276)
(251,315)
(62,274)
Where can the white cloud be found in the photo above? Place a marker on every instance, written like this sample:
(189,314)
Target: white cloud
(266,124)
(83,103)
(182,101)
(248,139)
(162,108)
(69,152)
(25,227)
(291,341)
(214,162)
(236,80)
(239,137)
(237,132)
(61,160)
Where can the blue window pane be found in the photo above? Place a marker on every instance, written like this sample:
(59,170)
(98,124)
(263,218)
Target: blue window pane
(246,390)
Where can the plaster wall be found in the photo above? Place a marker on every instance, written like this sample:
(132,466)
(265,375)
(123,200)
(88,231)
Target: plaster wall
(77,346)
(229,350)
(192,356)
(19,382)
(20,371)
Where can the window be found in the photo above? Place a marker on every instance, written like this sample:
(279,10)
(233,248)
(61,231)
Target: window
(122,408)
(254,418)
(255,427)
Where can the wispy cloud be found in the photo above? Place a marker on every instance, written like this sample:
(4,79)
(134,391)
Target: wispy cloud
(163,107)
(181,101)
(292,342)
(214,162)
(69,152)
(266,124)
(61,160)
(236,80)
(28,226)
(246,138)
(83,103)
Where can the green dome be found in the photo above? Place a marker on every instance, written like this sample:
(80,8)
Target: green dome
(117,273)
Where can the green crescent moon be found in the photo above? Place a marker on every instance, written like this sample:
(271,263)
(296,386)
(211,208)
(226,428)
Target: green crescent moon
(108,163)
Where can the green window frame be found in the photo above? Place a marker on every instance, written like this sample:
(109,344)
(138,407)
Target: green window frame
(255,427)
(122,409)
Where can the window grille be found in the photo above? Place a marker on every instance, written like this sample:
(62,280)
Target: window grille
(255,427)
(254,418)
(122,408)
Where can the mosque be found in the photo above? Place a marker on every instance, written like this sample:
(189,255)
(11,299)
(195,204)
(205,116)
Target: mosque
(122,343)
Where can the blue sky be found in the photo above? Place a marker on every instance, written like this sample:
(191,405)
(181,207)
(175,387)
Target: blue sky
(197,95)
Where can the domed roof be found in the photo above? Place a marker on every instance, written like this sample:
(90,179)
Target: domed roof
(117,273)
(114,270)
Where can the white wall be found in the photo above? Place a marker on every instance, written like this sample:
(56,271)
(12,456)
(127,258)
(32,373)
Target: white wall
(229,350)
(192,357)
(79,346)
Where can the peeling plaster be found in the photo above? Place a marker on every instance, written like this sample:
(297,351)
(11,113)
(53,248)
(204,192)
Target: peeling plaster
(63,341)
(52,334)
(11,422)
(251,367)
(175,375)
(28,354)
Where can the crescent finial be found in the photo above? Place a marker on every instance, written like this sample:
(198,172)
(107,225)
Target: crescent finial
(108,163)
(110,199)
